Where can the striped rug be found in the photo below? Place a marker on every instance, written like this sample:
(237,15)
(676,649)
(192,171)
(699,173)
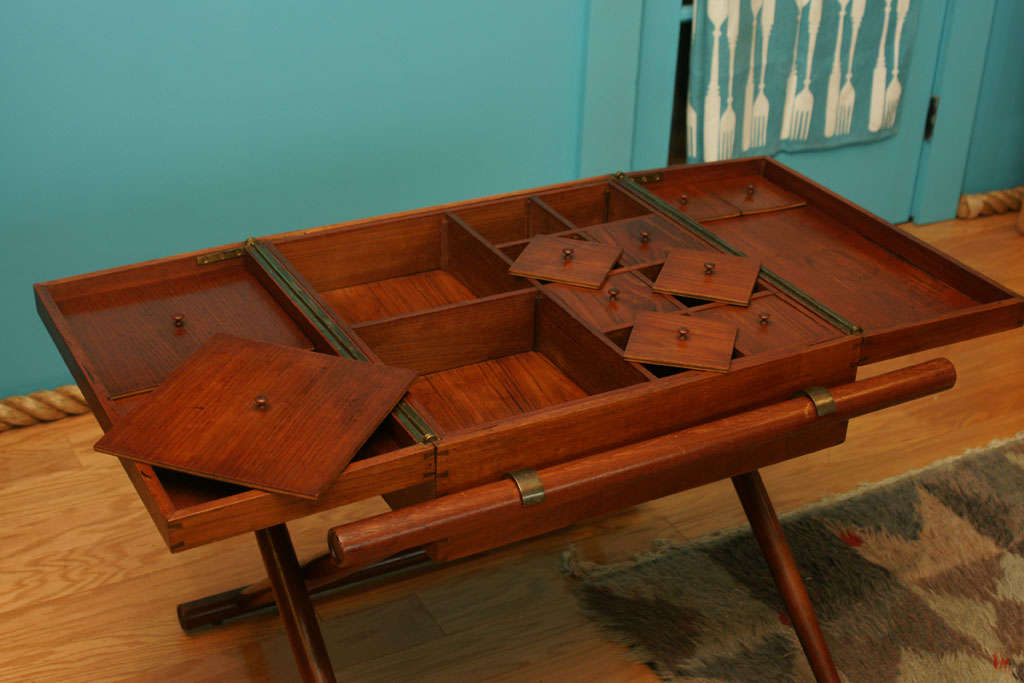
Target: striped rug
(918,578)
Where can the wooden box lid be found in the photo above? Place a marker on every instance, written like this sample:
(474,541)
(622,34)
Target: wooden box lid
(271,417)
(569,261)
(708,275)
(682,341)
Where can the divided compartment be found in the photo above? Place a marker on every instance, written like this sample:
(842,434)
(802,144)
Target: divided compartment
(901,294)
(510,223)
(712,192)
(379,270)
(498,357)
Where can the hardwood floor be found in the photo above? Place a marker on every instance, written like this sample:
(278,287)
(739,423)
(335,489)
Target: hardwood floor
(88,588)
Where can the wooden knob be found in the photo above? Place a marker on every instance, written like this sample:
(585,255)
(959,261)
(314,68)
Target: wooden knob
(684,333)
(763,318)
(613,293)
(709,268)
(260,402)
(645,237)
(567,253)
(179,319)
(750,189)
(684,199)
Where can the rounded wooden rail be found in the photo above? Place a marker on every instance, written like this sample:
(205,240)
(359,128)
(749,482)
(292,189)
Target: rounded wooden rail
(685,456)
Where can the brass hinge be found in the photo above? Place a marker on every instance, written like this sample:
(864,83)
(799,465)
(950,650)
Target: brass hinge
(644,178)
(215,257)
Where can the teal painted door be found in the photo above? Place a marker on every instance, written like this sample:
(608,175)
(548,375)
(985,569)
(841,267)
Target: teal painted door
(881,176)
(907,177)
(901,178)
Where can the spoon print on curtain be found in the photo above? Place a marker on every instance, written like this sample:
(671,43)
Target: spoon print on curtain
(774,75)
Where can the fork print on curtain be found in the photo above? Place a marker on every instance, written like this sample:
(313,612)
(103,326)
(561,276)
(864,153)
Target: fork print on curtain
(790,75)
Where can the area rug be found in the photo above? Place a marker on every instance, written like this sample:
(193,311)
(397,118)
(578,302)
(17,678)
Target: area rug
(917,578)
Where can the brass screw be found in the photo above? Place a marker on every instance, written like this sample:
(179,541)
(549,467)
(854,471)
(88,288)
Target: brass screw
(763,318)
(645,237)
(567,253)
(179,319)
(260,402)
(750,189)
(684,333)
(613,293)
(709,268)
(684,199)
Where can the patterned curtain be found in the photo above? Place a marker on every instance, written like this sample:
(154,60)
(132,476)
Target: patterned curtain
(771,75)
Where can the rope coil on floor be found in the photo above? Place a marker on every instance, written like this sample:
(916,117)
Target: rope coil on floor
(41,406)
(988,203)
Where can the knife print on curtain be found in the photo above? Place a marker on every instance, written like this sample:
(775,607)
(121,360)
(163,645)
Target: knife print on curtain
(791,75)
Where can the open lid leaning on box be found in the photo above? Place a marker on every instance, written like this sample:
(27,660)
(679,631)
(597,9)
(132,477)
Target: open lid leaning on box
(271,417)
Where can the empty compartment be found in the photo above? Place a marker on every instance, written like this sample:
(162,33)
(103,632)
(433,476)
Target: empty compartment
(498,357)
(593,204)
(379,270)
(709,193)
(511,221)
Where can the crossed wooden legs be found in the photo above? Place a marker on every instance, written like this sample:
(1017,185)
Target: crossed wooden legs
(768,532)
(291,585)
(293,603)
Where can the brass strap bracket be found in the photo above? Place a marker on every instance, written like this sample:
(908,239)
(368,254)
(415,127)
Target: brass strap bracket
(824,403)
(218,256)
(531,488)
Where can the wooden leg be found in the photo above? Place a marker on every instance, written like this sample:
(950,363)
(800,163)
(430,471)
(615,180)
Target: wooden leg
(321,575)
(294,605)
(768,532)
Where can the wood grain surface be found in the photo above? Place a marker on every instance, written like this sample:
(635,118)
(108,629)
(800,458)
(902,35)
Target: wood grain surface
(681,341)
(586,265)
(643,239)
(752,194)
(142,318)
(616,303)
(769,323)
(701,204)
(686,273)
(395,296)
(207,418)
(493,389)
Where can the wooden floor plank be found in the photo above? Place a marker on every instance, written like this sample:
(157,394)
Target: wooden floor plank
(89,590)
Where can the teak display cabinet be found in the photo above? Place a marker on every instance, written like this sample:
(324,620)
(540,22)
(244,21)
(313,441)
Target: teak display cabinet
(520,374)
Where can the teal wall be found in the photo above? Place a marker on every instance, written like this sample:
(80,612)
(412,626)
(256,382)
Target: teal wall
(996,158)
(134,130)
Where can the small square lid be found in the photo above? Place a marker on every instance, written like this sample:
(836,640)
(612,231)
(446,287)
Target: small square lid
(708,275)
(572,262)
(681,341)
(271,417)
